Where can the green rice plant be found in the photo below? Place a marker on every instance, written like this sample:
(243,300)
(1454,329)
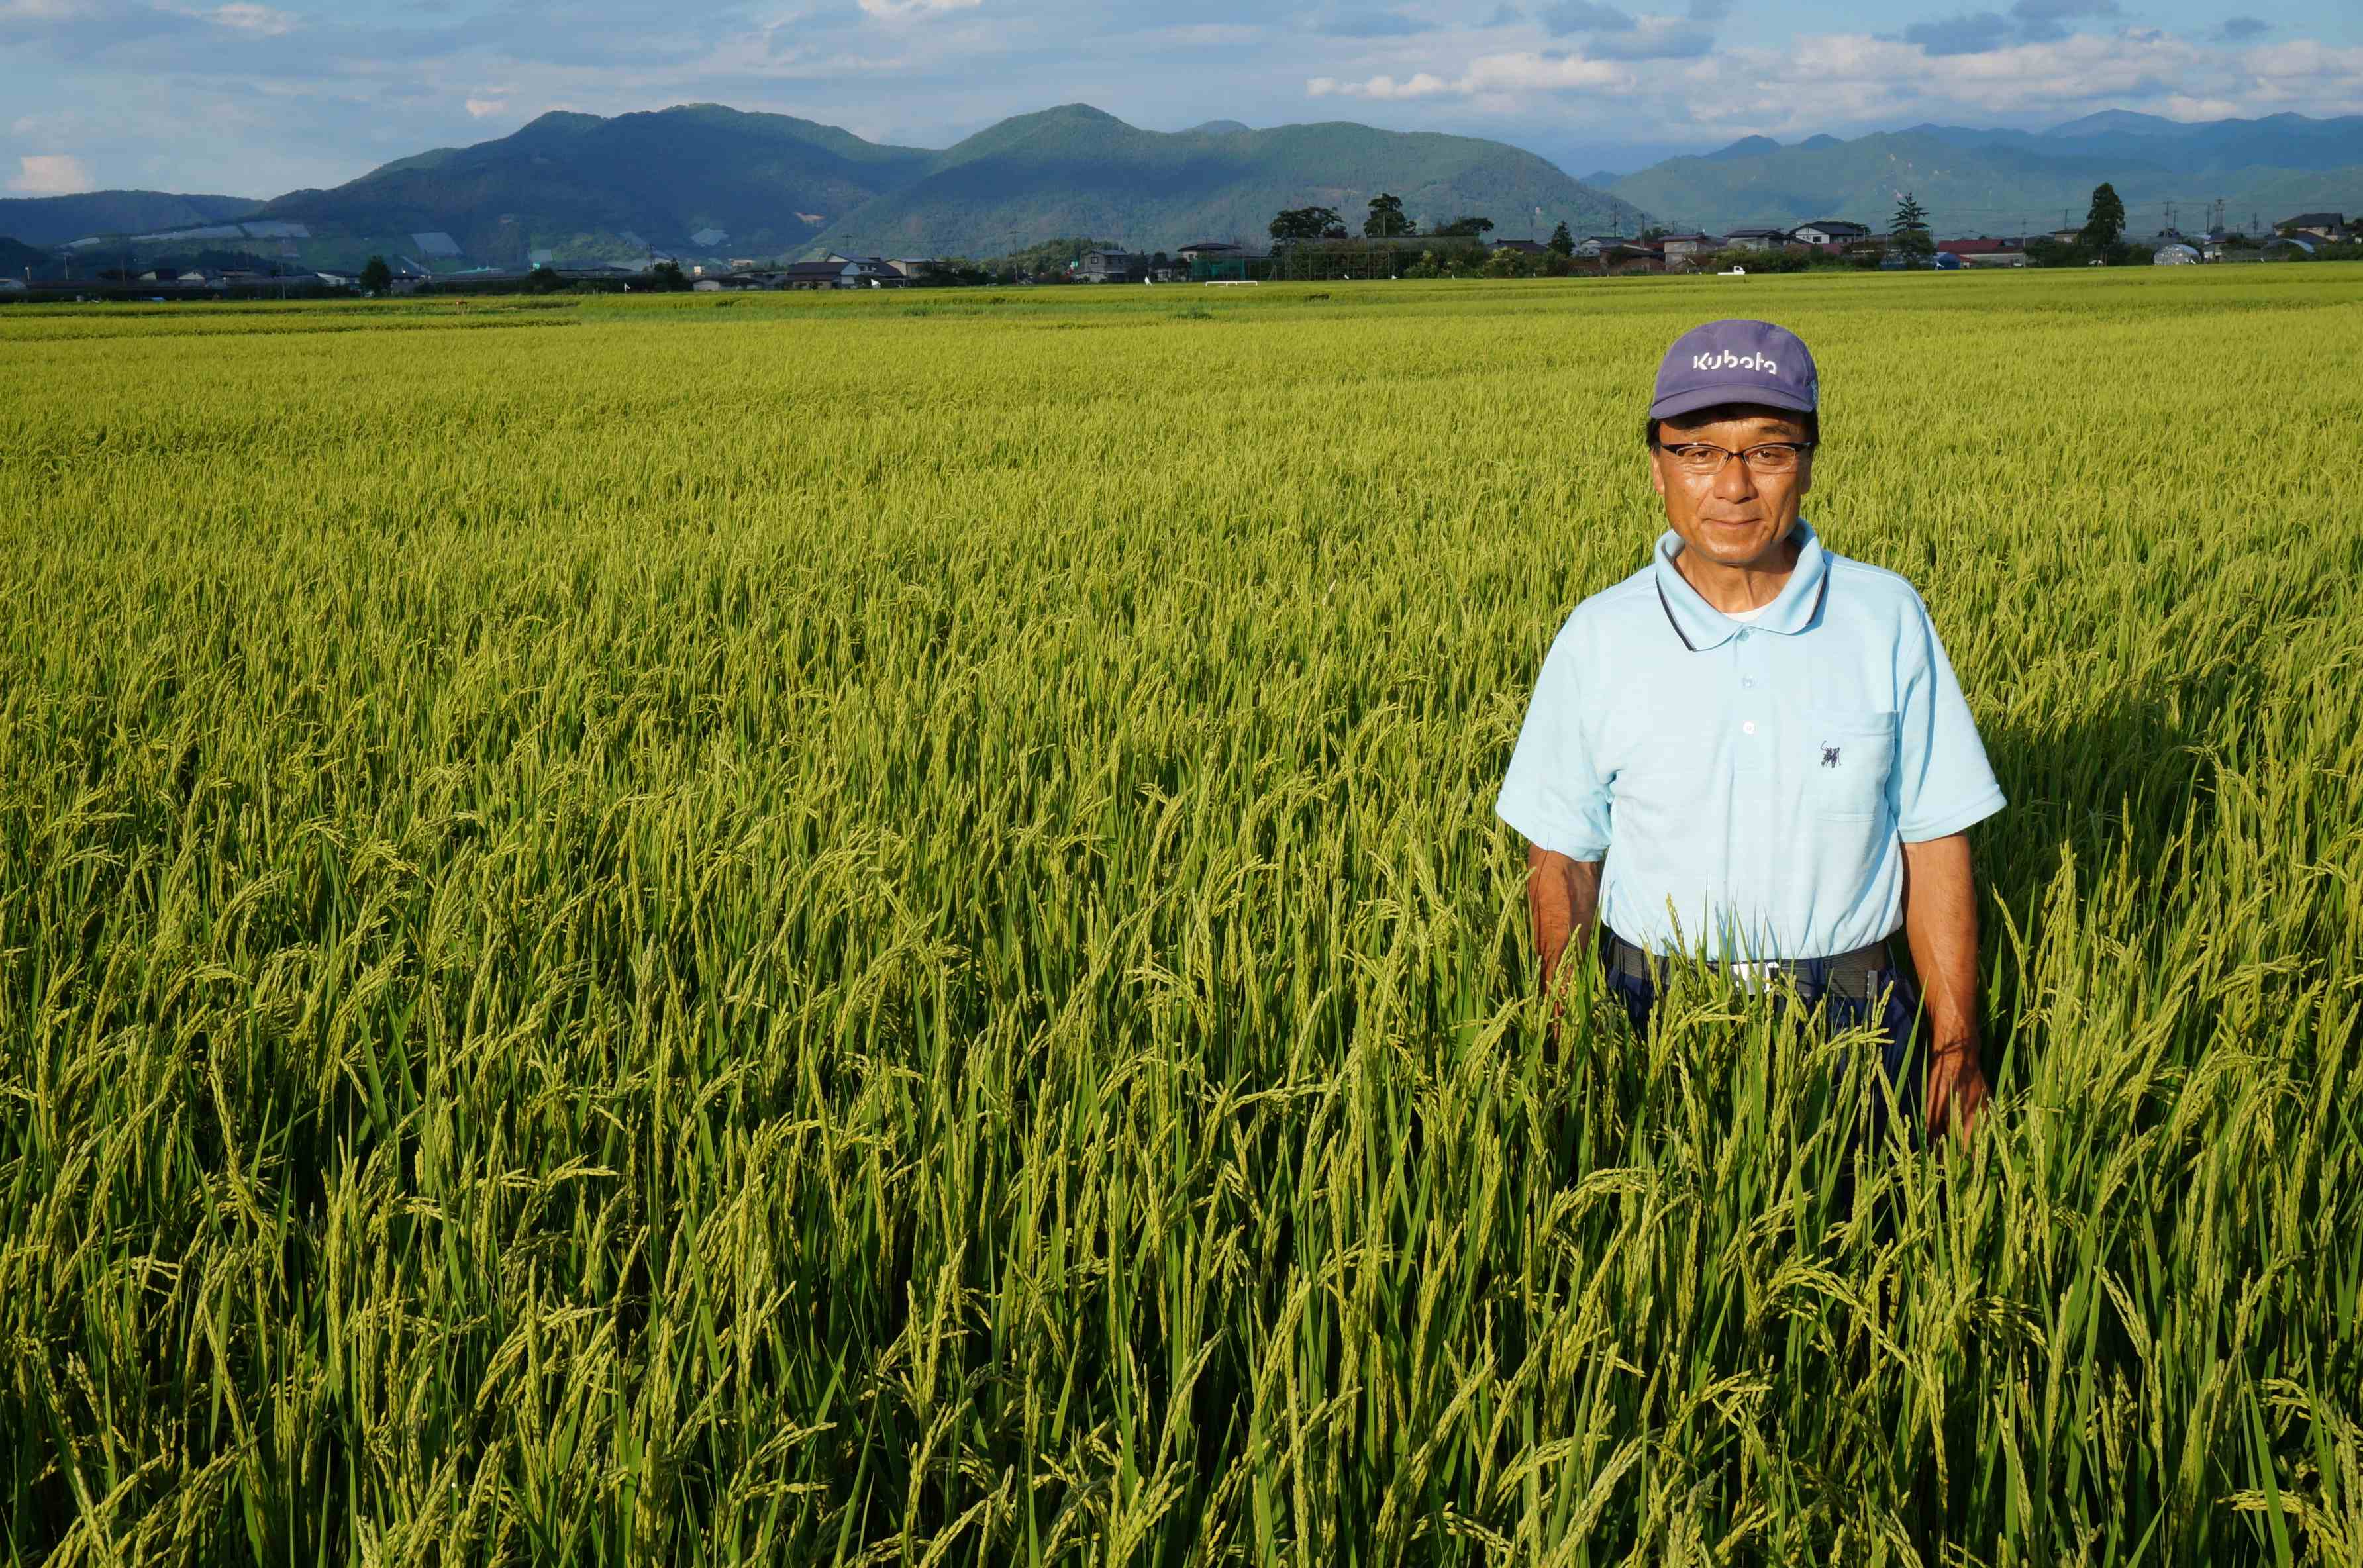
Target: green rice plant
(809,936)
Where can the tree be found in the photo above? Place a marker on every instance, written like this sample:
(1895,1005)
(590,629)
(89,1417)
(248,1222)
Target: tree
(2105,222)
(544,280)
(1387,220)
(1909,232)
(377,277)
(665,277)
(1509,262)
(1305,223)
(2044,251)
(1466,227)
(1562,243)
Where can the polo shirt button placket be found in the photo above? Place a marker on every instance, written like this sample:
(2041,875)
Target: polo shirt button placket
(1747,682)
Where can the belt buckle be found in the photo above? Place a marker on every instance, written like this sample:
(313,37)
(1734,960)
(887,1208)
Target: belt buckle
(1754,976)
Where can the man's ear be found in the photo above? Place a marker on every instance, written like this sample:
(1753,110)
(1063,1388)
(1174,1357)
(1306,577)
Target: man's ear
(1657,474)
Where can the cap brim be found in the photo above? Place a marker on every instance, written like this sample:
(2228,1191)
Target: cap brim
(1695,398)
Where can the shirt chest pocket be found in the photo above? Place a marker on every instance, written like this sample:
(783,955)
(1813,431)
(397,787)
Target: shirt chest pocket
(1849,755)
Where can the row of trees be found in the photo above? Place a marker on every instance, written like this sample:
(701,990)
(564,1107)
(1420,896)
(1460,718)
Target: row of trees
(1386,220)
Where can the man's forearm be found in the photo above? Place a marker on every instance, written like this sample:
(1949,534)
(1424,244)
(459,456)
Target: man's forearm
(1564,897)
(1940,920)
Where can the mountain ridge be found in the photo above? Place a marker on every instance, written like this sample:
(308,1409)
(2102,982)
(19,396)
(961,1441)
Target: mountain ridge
(1075,169)
(1999,181)
(710,177)
(60,220)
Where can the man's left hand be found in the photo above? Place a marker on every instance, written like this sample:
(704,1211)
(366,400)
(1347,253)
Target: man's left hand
(1956,1091)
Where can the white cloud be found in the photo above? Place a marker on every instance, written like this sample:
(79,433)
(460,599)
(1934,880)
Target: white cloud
(479,108)
(1491,76)
(1421,85)
(246,18)
(904,10)
(1849,83)
(1529,72)
(50,174)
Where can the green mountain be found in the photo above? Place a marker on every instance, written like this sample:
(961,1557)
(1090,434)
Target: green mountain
(1075,170)
(707,180)
(60,220)
(1989,182)
(16,257)
(579,184)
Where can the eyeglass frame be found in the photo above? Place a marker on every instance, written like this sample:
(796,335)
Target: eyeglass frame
(1800,447)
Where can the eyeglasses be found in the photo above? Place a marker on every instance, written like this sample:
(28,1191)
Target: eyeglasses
(1703,459)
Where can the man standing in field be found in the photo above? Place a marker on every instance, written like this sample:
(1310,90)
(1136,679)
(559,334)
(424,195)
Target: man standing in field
(1754,749)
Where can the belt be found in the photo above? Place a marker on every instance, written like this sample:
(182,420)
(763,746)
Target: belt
(1857,976)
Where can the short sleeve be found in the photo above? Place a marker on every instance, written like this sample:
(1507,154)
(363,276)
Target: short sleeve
(1943,782)
(1555,794)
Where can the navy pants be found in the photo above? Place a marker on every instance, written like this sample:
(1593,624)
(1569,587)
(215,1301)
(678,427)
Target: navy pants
(1893,1008)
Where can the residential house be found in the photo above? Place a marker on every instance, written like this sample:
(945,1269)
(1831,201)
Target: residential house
(1829,231)
(842,272)
(1757,238)
(1523,247)
(1593,246)
(1213,249)
(1111,266)
(1689,250)
(1983,252)
(2331,226)
(1623,256)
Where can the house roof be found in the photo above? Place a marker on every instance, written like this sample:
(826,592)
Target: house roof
(1759,234)
(815,269)
(2314,220)
(1530,246)
(1976,247)
(1834,226)
(1208,244)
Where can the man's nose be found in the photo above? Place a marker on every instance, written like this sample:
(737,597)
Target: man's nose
(1735,481)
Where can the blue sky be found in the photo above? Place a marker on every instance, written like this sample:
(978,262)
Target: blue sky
(255,97)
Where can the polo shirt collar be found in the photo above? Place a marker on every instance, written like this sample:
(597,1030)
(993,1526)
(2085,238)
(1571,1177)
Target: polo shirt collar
(1702,626)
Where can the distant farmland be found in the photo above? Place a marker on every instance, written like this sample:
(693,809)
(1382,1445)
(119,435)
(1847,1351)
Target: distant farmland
(869,929)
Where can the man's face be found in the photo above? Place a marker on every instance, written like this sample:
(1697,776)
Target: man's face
(1735,517)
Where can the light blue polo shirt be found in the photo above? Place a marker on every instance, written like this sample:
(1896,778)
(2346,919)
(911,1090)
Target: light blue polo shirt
(1751,784)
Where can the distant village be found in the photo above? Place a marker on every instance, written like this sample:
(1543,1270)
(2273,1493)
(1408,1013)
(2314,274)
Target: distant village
(1307,244)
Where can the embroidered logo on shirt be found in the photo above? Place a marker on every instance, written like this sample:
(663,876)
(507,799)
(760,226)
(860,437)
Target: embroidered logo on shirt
(1829,757)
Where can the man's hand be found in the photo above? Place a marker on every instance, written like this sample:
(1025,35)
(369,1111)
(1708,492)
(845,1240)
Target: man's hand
(1940,920)
(1957,1089)
(1563,898)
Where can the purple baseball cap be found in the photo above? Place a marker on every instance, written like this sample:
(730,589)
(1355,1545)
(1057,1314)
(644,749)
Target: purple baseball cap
(1735,362)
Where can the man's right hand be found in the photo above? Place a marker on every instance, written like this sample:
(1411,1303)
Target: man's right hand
(1563,900)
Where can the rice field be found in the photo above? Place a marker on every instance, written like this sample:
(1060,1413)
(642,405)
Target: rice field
(869,930)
